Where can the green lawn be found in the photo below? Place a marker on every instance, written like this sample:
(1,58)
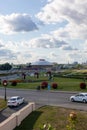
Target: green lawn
(2,103)
(58,117)
(64,84)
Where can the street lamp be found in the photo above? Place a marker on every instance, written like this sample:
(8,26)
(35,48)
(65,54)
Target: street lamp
(5,83)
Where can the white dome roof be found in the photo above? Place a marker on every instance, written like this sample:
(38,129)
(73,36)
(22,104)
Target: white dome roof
(41,62)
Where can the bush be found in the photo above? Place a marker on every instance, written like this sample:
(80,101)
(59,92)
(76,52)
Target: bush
(17,80)
(44,85)
(54,85)
(83,85)
(14,83)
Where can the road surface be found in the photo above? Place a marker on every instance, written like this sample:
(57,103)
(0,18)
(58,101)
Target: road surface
(45,97)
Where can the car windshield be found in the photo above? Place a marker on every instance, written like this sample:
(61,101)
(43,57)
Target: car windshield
(85,94)
(13,99)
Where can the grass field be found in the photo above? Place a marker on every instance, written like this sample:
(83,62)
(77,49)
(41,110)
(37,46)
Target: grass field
(64,84)
(2,103)
(58,117)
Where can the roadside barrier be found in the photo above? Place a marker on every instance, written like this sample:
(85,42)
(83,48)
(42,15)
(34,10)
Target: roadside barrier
(16,118)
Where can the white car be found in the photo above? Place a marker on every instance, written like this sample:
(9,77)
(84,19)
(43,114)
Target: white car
(80,97)
(15,101)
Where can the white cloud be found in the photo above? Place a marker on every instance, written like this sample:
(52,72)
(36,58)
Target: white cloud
(46,41)
(17,52)
(6,54)
(1,44)
(16,23)
(58,10)
(74,56)
(69,23)
(72,11)
(68,48)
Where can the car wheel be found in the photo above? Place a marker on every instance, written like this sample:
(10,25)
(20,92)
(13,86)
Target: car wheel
(72,99)
(23,101)
(18,104)
(84,101)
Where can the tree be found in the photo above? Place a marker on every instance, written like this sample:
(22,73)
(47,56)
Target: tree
(5,66)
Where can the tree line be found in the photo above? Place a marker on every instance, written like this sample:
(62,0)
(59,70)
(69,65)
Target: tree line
(5,66)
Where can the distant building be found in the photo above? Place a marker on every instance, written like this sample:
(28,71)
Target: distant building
(42,63)
(75,63)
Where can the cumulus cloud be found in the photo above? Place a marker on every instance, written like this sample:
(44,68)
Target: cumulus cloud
(57,10)
(68,48)
(6,54)
(1,44)
(53,55)
(85,47)
(71,19)
(75,56)
(72,11)
(46,42)
(15,56)
(16,23)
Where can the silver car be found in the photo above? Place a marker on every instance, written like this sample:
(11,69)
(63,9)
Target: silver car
(15,101)
(80,97)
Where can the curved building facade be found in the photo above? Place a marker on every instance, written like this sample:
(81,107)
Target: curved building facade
(42,63)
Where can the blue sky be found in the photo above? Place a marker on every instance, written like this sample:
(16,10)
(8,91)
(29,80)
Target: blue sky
(54,30)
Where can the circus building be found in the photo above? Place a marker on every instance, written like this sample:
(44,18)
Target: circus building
(42,64)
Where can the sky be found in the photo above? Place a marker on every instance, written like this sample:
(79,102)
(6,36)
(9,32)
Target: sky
(54,30)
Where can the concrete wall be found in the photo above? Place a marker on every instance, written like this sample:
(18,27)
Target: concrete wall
(16,118)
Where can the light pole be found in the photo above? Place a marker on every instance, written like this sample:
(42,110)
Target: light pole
(5,84)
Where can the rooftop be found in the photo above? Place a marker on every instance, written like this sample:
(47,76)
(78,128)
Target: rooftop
(42,62)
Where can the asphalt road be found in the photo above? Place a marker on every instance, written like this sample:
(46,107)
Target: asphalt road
(46,97)
(41,98)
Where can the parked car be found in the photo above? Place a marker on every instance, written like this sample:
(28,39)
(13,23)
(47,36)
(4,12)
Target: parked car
(80,97)
(15,101)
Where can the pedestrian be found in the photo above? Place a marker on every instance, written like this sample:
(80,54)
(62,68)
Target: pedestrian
(48,86)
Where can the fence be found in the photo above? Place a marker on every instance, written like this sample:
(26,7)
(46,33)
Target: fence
(16,118)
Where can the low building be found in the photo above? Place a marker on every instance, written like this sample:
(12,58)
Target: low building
(42,64)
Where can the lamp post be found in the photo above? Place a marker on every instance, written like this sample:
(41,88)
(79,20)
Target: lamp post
(5,84)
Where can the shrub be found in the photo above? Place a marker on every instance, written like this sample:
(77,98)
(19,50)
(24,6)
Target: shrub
(54,85)
(14,83)
(72,121)
(17,80)
(83,85)
(44,84)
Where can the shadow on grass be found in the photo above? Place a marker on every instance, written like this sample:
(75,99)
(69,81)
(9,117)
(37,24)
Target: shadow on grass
(29,122)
